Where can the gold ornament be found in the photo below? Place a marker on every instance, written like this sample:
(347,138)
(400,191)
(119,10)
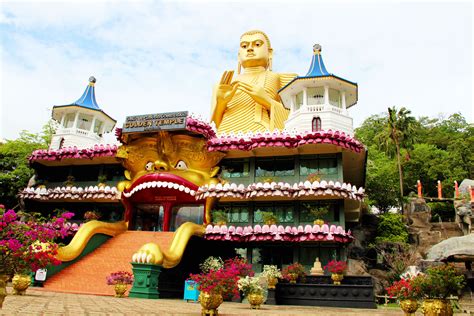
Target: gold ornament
(436,307)
(120,290)
(20,283)
(255,300)
(209,303)
(409,306)
(337,278)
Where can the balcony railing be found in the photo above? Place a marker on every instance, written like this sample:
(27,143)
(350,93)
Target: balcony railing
(77,131)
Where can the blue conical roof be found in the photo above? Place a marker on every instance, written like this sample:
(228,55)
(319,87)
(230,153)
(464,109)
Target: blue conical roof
(317,68)
(87,99)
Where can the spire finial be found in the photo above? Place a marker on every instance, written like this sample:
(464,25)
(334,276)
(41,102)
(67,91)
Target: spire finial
(317,49)
(92,80)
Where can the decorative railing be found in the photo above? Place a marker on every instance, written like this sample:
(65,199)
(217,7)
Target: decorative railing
(291,139)
(74,153)
(296,190)
(257,233)
(71,193)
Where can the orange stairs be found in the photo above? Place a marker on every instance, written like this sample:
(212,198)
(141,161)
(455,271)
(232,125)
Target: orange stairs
(88,275)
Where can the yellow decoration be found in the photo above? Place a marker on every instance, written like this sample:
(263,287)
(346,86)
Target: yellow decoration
(20,283)
(255,300)
(182,155)
(250,101)
(85,233)
(209,303)
(171,257)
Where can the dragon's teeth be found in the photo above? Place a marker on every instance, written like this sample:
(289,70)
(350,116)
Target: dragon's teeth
(187,190)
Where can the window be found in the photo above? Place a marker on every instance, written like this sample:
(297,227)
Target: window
(235,168)
(69,120)
(236,213)
(86,173)
(335,97)
(84,122)
(186,213)
(331,216)
(299,100)
(318,164)
(283,211)
(316,124)
(98,126)
(279,167)
(315,95)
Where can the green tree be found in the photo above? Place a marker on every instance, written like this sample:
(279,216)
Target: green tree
(399,132)
(14,168)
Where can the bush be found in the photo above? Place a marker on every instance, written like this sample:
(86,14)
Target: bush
(391,229)
(442,210)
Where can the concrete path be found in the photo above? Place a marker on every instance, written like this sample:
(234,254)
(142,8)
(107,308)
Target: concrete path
(41,302)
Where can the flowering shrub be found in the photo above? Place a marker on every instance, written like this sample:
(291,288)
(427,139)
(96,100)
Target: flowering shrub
(295,268)
(439,282)
(270,271)
(28,245)
(239,267)
(119,277)
(217,282)
(250,285)
(211,263)
(404,289)
(91,215)
(335,266)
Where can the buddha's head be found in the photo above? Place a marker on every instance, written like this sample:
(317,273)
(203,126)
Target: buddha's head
(255,50)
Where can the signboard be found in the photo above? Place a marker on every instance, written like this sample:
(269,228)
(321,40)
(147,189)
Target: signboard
(155,122)
(190,291)
(41,274)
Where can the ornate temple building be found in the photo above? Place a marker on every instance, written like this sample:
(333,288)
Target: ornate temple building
(275,177)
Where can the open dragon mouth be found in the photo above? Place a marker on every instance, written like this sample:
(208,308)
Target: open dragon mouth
(157,186)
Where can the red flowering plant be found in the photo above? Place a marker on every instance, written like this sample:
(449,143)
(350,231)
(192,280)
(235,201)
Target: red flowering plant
(404,289)
(217,282)
(27,242)
(119,277)
(336,267)
(239,266)
(293,269)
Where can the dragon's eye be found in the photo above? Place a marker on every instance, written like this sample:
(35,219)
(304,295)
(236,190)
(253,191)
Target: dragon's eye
(181,165)
(150,166)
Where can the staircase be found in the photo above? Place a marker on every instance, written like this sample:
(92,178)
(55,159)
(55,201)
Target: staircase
(88,275)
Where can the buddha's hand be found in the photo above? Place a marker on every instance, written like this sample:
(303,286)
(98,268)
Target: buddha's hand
(225,90)
(255,92)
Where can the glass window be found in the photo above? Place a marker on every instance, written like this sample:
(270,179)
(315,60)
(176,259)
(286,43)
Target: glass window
(335,97)
(280,167)
(284,213)
(308,255)
(315,95)
(318,165)
(97,126)
(305,211)
(259,208)
(186,213)
(299,100)
(69,120)
(235,168)
(316,124)
(56,174)
(84,122)
(86,173)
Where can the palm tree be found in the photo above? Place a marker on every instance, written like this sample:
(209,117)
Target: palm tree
(399,133)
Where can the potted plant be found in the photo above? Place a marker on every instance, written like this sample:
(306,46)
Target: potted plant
(92,215)
(27,245)
(212,285)
(219,217)
(239,266)
(120,280)
(436,286)
(272,273)
(70,181)
(293,272)
(406,294)
(253,290)
(315,176)
(102,179)
(211,263)
(317,212)
(337,269)
(269,218)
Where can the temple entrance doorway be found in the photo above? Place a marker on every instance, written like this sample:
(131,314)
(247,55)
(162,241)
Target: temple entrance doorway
(149,217)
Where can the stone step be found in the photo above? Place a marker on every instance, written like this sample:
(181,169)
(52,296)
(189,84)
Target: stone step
(88,275)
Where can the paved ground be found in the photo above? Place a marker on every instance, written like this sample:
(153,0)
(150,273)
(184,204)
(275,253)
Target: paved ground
(41,302)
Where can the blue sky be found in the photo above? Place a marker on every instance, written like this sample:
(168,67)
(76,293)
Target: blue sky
(151,56)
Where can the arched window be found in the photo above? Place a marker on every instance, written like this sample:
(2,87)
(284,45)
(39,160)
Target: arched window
(316,124)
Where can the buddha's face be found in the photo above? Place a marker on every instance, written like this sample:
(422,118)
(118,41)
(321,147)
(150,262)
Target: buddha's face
(254,51)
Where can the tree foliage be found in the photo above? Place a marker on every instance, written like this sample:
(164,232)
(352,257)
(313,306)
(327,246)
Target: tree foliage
(391,229)
(14,168)
(436,149)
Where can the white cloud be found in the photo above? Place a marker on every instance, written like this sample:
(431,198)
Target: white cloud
(157,57)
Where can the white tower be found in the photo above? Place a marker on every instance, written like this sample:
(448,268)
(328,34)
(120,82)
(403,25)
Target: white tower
(81,123)
(319,100)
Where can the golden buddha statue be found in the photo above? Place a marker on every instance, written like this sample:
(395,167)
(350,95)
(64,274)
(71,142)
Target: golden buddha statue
(250,101)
